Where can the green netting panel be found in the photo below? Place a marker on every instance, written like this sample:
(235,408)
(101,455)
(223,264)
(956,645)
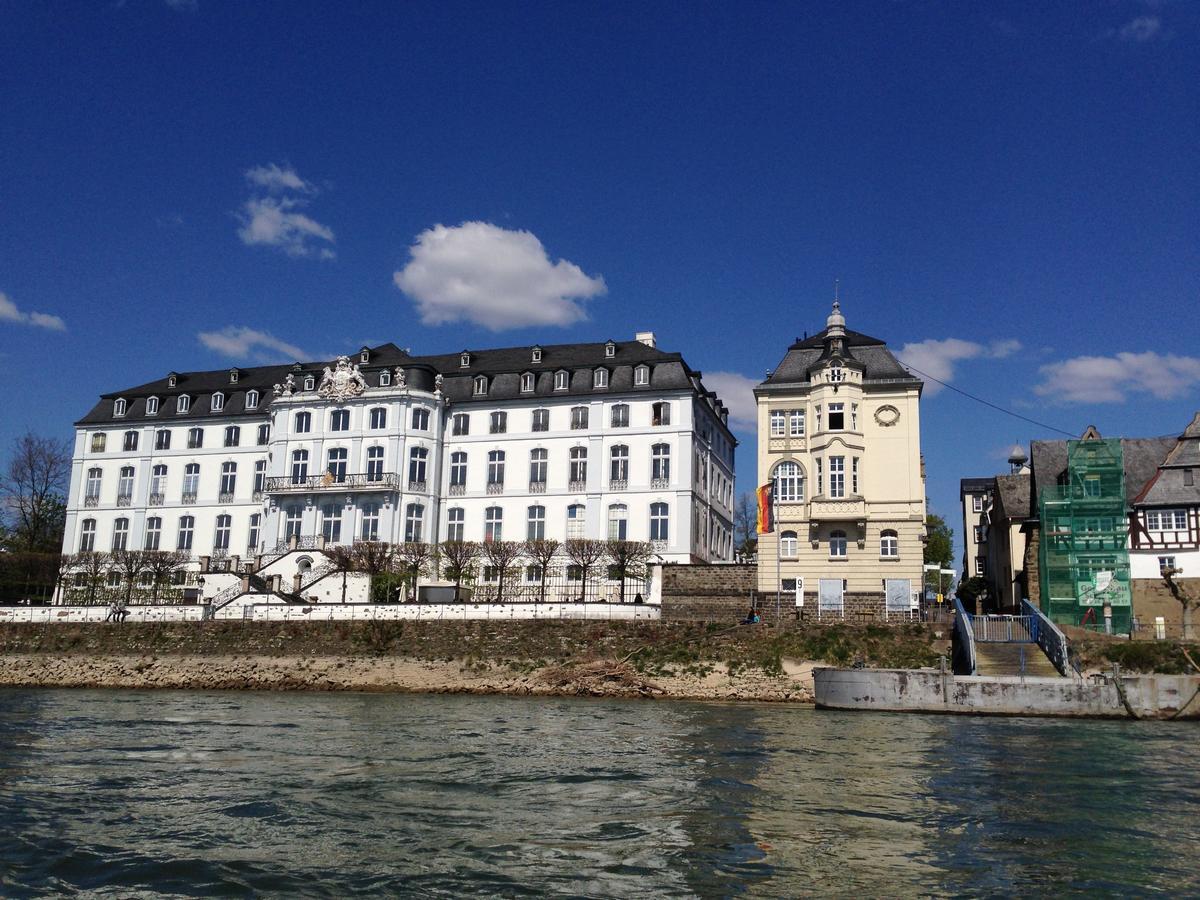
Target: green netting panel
(1083,552)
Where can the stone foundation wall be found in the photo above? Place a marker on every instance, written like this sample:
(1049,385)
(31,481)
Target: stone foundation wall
(704,593)
(1033,568)
(1151,598)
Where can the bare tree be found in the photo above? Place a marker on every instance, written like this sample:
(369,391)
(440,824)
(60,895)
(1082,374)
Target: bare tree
(543,554)
(416,559)
(629,559)
(342,557)
(93,565)
(33,493)
(502,555)
(1186,598)
(745,524)
(460,558)
(162,565)
(131,564)
(375,558)
(587,554)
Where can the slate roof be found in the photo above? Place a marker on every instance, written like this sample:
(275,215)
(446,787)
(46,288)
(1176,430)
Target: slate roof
(974,486)
(1011,500)
(1167,487)
(870,354)
(503,366)
(1140,456)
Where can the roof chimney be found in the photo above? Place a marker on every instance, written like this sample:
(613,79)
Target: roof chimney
(647,338)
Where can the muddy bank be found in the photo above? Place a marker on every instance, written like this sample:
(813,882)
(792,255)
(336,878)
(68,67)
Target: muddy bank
(597,677)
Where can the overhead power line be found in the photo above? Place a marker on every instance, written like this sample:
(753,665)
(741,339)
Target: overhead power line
(1007,412)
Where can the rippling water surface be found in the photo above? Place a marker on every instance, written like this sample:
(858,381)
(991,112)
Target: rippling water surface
(128,793)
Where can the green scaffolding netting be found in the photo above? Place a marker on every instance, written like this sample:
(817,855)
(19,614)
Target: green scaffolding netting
(1083,552)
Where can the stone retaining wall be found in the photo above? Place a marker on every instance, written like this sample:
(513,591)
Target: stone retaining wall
(707,593)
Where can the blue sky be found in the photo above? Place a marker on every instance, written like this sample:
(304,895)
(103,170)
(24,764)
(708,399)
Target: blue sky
(1011,190)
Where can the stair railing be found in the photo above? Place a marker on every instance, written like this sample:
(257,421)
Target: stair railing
(964,642)
(1050,638)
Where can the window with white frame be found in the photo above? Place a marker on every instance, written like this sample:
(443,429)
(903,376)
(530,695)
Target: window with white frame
(303,423)
(789,482)
(182,404)
(187,528)
(498,423)
(837,544)
(385,378)
(575,521)
(493,524)
(641,376)
(331,522)
(536,354)
(98,441)
(796,422)
(1166,562)
(977,503)
(619,464)
(817,416)
(1166,520)
(299,466)
(87,536)
(252,533)
(158,483)
(339,420)
(461,424)
(293,521)
(610,350)
(854,417)
(162,439)
(820,476)
(660,522)
(536,524)
(420,418)
(600,378)
(837,416)
(153,534)
(217,403)
(191,482)
(495,470)
(335,464)
(889,544)
(619,417)
(981,565)
(458,469)
(375,463)
(578,466)
(228,478)
(369,529)
(481,385)
(264,435)
(660,462)
(195,438)
(618,522)
(414,516)
(260,477)
(778,423)
(579,418)
(130,443)
(125,484)
(541,420)
(562,380)
(233,436)
(120,537)
(456,518)
(252,398)
(854,475)
(221,535)
(152,406)
(788,544)
(464,361)
(538,462)
(378,417)
(119,408)
(418,461)
(310,382)
(837,374)
(837,476)
(660,414)
(527,383)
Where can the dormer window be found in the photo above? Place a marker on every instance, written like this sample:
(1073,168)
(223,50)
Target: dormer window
(385,378)
(364,355)
(251,399)
(233,376)
(465,360)
(172,380)
(310,383)
(641,375)
(537,354)
(610,350)
(183,404)
(481,384)
(218,402)
(119,407)
(527,383)
(562,380)
(600,378)
(837,374)
(152,406)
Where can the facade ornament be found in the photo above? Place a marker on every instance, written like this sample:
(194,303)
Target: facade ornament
(342,382)
(401,377)
(437,383)
(287,388)
(887,415)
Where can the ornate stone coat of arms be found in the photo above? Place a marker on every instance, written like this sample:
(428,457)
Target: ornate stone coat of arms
(341,382)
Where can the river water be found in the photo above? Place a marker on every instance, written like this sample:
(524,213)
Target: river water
(132,793)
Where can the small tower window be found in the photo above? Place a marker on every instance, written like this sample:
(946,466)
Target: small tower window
(252,400)
(172,380)
(309,382)
(465,359)
(385,378)
(119,407)
(537,354)
(610,350)
(233,376)
(218,402)
(364,355)
(837,374)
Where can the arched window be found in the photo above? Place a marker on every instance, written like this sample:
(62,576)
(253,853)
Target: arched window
(620,415)
(788,544)
(299,466)
(120,540)
(183,404)
(191,482)
(578,468)
(618,522)
(527,383)
(414,516)
(158,485)
(385,378)
(233,436)
(375,463)
(98,441)
(152,406)
(335,464)
(495,470)
(789,482)
(641,375)
(618,474)
(221,535)
(339,420)
(260,479)
(162,439)
(493,521)
(331,522)
(218,402)
(889,544)
(87,536)
(562,380)
(303,423)
(837,544)
(660,413)
(481,385)
(252,399)
(458,470)
(538,461)
(131,441)
(579,418)
(660,520)
(125,486)
(310,382)
(600,378)
(195,438)
(575,521)
(536,530)
(228,481)
(418,461)
(119,407)
(660,465)
(153,533)
(379,417)
(499,422)
(264,434)
(91,495)
(541,420)
(455,519)
(420,418)
(370,522)
(187,527)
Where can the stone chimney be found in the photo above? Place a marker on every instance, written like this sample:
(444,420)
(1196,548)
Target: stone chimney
(647,338)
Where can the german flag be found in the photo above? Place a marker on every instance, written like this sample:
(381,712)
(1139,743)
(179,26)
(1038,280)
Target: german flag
(766,509)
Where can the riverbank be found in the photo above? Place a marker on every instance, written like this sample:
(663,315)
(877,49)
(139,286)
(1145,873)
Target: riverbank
(692,661)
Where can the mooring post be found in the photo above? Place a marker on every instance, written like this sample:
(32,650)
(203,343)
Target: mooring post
(945,681)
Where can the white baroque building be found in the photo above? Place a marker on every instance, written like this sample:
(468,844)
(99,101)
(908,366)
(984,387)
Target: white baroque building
(604,440)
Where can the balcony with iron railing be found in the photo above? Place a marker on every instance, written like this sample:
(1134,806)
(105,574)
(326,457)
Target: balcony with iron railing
(458,490)
(328,481)
(618,484)
(418,487)
(577,486)
(537,487)
(124,499)
(188,498)
(91,500)
(225,497)
(659,484)
(495,487)
(157,499)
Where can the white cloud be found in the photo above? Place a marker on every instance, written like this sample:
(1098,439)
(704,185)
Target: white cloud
(10,313)
(937,358)
(276,178)
(240,342)
(500,279)
(274,222)
(737,391)
(1112,379)
(1141,29)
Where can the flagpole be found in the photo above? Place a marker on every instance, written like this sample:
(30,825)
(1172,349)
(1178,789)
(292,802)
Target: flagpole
(778,554)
